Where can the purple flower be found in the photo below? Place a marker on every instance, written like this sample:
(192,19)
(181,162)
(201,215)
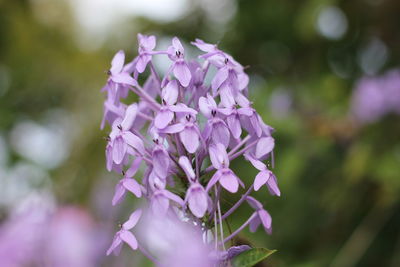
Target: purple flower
(265,176)
(225,176)
(262,216)
(180,124)
(128,183)
(181,70)
(146,46)
(124,235)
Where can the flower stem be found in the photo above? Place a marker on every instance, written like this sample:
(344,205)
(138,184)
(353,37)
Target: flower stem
(237,204)
(240,228)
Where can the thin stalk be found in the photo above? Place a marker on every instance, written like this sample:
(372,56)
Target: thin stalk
(237,204)
(147,254)
(240,228)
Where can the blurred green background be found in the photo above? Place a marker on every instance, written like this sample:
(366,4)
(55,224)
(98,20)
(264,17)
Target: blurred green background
(339,177)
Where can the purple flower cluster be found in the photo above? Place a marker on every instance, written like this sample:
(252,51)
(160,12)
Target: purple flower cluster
(185,131)
(374,97)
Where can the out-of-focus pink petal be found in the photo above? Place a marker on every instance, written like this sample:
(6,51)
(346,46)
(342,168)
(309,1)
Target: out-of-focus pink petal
(130,239)
(115,244)
(119,193)
(159,204)
(133,219)
(177,44)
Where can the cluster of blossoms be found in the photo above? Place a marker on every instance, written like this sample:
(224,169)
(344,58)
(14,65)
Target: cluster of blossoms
(374,97)
(180,125)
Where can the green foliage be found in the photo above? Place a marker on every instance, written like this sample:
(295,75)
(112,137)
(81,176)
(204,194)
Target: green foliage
(251,257)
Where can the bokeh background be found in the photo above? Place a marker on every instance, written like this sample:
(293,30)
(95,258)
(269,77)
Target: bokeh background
(323,74)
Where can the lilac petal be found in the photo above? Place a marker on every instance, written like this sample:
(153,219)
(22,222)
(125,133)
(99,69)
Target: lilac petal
(203,46)
(273,186)
(134,167)
(243,79)
(261,179)
(234,125)
(256,163)
(198,201)
(227,99)
(254,224)
(204,107)
(177,44)
(187,167)
(133,219)
(132,186)
(229,181)
(163,118)
(117,62)
(116,243)
(265,218)
(170,92)
(236,250)
(220,134)
(190,139)
(119,149)
(134,141)
(142,62)
(160,162)
(159,204)
(245,111)
(180,107)
(173,197)
(182,73)
(219,78)
(130,239)
(130,116)
(214,179)
(264,146)
(254,203)
(175,128)
(218,156)
(119,193)
(124,78)
(255,122)
(109,157)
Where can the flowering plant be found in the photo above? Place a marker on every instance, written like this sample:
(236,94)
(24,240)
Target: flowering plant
(185,131)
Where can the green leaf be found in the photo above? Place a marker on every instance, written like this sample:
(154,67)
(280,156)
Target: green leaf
(251,257)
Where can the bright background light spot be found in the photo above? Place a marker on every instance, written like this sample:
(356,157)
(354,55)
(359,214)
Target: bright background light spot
(332,23)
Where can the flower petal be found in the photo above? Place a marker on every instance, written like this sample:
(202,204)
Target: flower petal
(170,92)
(182,73)
(119,193)
(133,186)
(220,134)
(219,78)
(265,218)
(142,61)
(261,179)
(264,146)
(134,141)
(163,118)
(117,242)
(198,202)
(130,116)
(214,179)
(273,186)
(234,125)
(159,204)
(254,224)
(134,167)
(133,219)
(124,78)
(187,167)
(117,62)
(229,181)
(175,128)
(190,139)
(160,162)
(130,239)
(119,149)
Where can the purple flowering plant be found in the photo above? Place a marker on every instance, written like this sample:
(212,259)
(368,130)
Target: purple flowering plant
(184,132)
